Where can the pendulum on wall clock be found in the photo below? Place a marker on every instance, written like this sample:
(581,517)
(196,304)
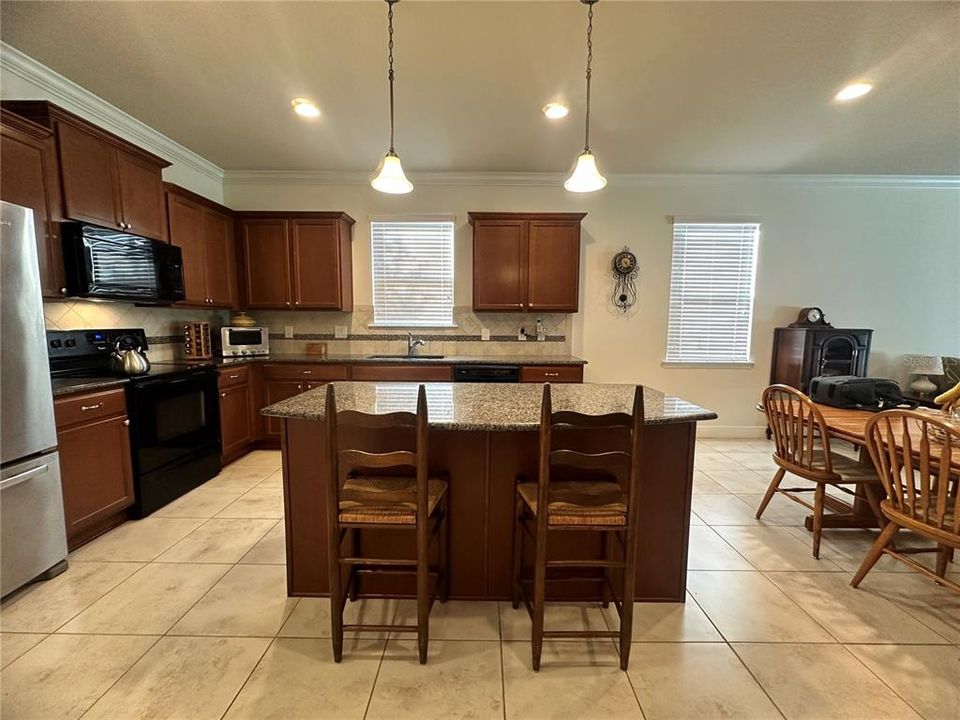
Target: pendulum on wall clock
(625,279)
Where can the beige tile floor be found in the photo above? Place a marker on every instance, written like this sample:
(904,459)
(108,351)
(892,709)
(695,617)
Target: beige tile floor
(184,615)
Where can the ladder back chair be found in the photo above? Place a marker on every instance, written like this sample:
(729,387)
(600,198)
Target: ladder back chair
(915,455)
(802,448)
(385,491)
(607,505)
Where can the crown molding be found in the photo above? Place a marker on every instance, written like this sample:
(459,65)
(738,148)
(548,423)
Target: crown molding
(67,93)
(555,180)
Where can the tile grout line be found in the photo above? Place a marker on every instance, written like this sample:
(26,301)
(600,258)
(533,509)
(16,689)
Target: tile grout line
(249,675)
(121,675)
(882,681)
(383,654)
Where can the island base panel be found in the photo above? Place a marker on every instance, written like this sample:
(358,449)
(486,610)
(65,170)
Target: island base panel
(482,468)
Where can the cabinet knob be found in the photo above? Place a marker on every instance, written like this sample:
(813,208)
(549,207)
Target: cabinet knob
(223,394)
(306,372)
(63,291)
(299,386)
(129,226)
(297,302)
(120,225)
(126,422)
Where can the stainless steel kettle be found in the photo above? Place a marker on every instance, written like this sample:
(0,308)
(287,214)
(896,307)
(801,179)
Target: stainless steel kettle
(128,357)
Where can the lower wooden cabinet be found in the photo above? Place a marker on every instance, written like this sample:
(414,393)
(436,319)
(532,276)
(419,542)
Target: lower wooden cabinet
(236,422)
(551,373)
(273,392)
(402,373)
(96,468)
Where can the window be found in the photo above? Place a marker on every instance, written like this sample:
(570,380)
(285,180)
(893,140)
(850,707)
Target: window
(412,273)
(711,291)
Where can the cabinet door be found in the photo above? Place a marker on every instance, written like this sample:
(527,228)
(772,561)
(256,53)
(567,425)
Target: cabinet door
(186,232)
(499,267)
(267,260)
(236,419)
(553,256)
(96,471)
(273,392)
(28,177)
(88,169)
(315,260)
(141,195)
(220,261)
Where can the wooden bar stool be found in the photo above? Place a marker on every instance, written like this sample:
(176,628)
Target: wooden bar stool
(913,453)
(603,500)
(385,491)
(802,448)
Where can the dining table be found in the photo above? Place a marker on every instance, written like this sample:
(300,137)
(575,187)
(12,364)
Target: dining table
(849,425)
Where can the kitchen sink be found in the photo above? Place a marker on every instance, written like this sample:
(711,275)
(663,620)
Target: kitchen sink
(405,357)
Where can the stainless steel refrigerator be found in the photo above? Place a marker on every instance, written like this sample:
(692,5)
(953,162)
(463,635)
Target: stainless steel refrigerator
(33,541)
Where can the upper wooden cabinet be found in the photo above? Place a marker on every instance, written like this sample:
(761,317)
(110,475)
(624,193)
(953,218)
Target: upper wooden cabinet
(526,261)
(300,261)
(105,180)
(28,177)
(203,230)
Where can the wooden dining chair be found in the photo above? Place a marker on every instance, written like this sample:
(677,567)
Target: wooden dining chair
(913,452)
(384,491)
(802,448)
(602,500)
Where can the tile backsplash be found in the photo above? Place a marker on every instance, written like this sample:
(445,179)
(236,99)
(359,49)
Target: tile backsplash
(163,327)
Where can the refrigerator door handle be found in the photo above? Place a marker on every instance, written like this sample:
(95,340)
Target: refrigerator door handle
(23,477)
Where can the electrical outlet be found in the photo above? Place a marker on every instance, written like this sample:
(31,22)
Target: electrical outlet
(288,332)
(521,335)
(340,332)
(485,334)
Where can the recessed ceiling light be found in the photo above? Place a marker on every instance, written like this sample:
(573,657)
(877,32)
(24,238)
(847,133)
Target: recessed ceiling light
(555,111)
(305,108)
(853,91)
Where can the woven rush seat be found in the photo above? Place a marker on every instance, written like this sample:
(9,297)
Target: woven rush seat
(585,502)
(386,500)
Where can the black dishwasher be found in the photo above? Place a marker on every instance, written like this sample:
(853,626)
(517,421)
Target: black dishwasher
(486,373)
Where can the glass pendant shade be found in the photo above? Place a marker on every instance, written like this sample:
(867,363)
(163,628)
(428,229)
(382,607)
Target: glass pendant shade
(389,177)
(585,176)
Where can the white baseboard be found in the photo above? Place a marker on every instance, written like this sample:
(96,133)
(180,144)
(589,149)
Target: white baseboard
(740,432)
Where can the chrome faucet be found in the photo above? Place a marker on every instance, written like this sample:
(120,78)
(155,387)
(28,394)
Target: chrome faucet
(413,343)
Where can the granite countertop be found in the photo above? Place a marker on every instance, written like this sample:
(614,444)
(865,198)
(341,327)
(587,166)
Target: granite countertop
(445,360)
(489,406)
(71,386)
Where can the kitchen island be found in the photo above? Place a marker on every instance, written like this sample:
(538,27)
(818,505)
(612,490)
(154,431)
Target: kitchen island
(483,437)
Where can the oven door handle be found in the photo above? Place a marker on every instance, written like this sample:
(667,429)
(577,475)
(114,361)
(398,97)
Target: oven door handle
(177,381)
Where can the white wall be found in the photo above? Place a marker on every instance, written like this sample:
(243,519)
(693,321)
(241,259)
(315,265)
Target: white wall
(883,254)
(23,78)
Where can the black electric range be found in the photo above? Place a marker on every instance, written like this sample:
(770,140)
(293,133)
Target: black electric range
(174,413)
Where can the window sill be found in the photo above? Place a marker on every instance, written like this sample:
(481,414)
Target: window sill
(744,365)
(412,327)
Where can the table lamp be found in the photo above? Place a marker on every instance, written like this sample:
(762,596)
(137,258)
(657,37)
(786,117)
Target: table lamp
(922,366)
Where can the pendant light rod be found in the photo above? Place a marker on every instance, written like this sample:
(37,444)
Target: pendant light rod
(390,73)
(590,4)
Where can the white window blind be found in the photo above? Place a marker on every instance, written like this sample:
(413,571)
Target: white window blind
(412,273)
(711,291)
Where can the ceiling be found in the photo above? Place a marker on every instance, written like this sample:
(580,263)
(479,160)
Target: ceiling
(679,87)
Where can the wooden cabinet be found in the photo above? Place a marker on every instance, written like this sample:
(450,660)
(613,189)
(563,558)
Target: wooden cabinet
(402,373)
(298,261)
(96,470)
(284,380)
(526,261)
(105,179)
(802,353)
(203,231)
(273,392)
(551,374)
(28,177)
(237,421)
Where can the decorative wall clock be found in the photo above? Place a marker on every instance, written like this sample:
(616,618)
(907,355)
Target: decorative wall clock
(625,279)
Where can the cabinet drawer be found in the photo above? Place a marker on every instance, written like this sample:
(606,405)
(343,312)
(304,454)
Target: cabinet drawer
(552,373)
(403,373)
(305,371)
(230,376)
(88,407)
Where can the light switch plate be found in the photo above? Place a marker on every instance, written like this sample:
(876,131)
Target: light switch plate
(485,334)
(288,332)
(340,332)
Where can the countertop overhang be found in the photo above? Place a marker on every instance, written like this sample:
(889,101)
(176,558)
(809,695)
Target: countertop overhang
(488,406)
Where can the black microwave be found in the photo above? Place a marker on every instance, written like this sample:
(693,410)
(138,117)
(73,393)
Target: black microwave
(109,265)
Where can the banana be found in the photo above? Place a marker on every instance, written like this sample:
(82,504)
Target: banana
(949,397)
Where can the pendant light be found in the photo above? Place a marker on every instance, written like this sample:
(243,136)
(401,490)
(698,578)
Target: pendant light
(389,177)
(585,176)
